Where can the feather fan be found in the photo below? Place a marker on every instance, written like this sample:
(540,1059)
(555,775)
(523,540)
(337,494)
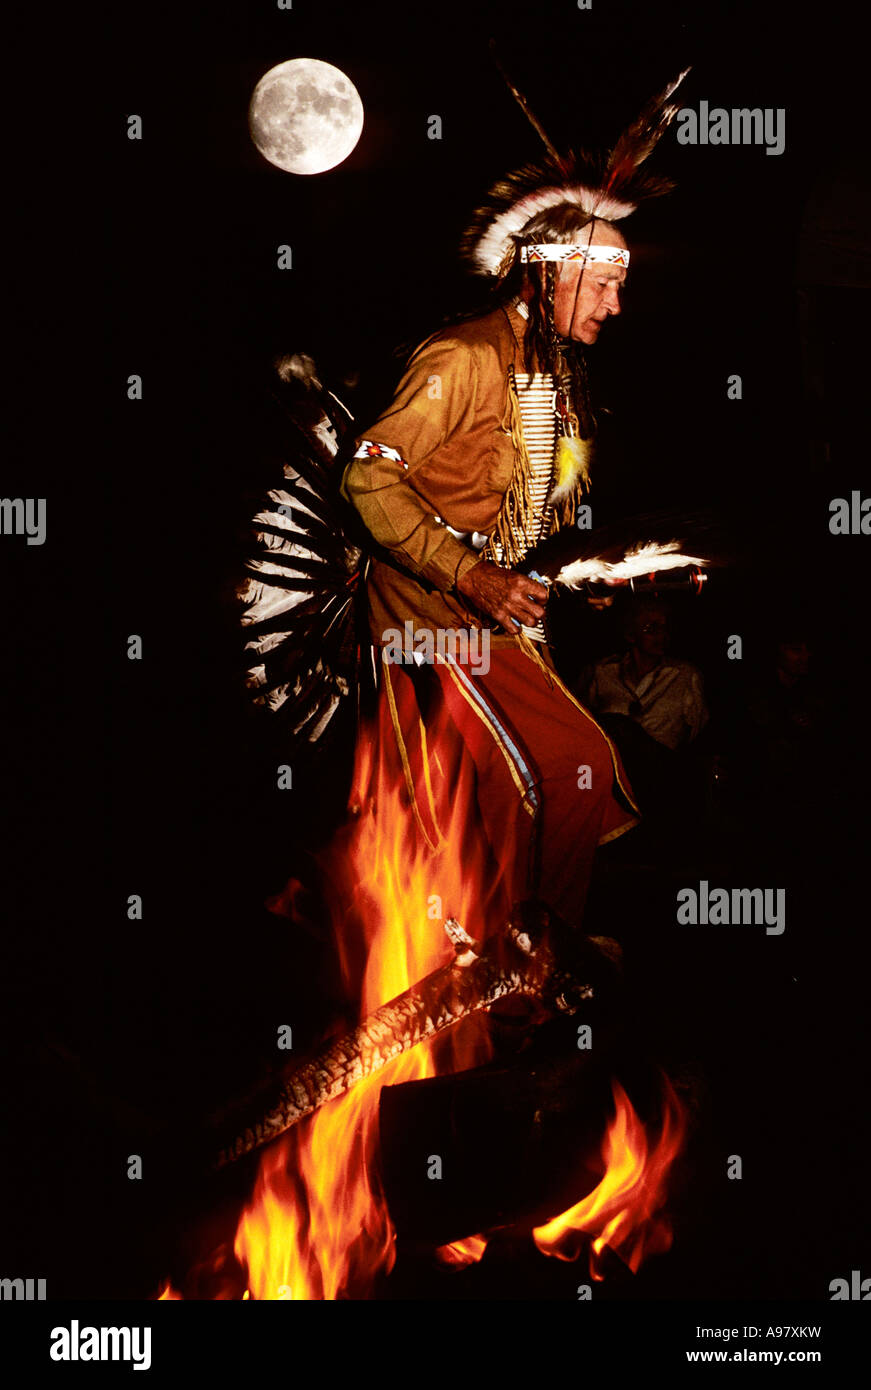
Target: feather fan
(635,546)
(300,608)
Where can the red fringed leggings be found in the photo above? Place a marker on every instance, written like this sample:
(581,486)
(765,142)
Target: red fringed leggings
(510,783)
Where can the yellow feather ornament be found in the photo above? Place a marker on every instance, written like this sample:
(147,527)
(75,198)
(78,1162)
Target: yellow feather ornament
(571,466)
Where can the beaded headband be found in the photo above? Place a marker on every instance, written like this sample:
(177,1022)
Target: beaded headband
(559,251)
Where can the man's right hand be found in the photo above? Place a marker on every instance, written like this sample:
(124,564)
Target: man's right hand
(504,594)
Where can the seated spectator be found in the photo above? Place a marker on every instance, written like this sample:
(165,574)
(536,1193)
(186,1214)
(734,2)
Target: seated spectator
(787,734)
(653,707)
(663,695)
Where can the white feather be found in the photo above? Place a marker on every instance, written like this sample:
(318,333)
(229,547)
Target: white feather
(264,644)
(644,559)
(493,245)
(262,601)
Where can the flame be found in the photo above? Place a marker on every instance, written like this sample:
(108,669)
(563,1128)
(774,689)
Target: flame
(461,1253)
(625,1211)
(167,1292)
(317,1226)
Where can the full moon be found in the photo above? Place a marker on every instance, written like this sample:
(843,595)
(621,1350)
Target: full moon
(305,116)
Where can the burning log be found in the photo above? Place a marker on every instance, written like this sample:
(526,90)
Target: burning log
(515,1145)
(534,957)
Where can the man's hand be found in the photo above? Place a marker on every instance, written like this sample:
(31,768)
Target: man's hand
(504,594)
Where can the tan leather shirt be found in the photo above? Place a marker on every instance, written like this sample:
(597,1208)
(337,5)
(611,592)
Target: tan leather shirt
(449,421)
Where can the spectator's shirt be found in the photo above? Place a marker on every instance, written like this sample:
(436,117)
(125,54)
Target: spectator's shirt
(668,703)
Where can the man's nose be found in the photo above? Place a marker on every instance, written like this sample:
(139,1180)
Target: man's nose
(612,299)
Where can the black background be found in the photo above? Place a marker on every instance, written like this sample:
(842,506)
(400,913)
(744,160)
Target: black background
(158,257)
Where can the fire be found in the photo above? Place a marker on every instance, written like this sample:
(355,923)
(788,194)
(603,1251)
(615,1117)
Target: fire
(316,1223)
(317,1226)
(625,1210)
(167,1292)
(461,1253)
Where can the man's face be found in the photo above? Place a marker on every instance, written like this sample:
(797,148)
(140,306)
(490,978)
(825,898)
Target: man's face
(587,293)
(651,634)
(793,658)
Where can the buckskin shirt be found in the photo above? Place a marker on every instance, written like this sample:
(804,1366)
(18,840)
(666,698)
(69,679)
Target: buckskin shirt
(547,783)
(448,463)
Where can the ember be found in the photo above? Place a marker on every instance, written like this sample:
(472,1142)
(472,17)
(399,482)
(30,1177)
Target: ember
(461,1253)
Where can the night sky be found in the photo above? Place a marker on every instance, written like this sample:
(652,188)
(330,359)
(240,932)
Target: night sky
(158,257)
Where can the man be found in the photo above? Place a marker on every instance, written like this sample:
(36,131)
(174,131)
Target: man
(451,413)
(653,707)
(661,694)
(785,755)
(548,786)
(484,451)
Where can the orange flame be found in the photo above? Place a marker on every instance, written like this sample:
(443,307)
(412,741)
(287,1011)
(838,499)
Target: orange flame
(624,1211)
(167,1291)
(461,1253)
(317,1226)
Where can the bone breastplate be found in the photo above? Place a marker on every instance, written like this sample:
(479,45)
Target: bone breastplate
(535,395)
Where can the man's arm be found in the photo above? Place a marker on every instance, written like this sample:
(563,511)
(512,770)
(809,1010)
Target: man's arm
(435,398)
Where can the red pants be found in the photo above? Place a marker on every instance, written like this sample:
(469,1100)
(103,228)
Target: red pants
(510,781)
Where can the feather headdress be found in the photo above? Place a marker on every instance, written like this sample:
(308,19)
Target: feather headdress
(610,186)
